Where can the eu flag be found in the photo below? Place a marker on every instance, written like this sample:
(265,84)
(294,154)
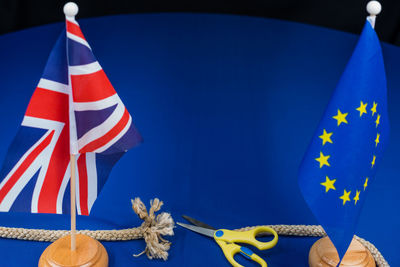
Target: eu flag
(348,144)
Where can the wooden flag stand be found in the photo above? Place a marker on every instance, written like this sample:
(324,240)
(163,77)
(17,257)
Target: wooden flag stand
(324,254)
(74,250)
(89,253)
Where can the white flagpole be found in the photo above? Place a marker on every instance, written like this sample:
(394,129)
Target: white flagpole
(73,204)
(373,8)
(70,11)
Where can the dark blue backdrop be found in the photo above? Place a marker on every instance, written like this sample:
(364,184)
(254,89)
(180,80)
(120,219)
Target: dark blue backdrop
(227,106)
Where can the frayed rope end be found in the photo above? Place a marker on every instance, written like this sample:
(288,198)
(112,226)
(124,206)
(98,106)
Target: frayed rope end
(154,228)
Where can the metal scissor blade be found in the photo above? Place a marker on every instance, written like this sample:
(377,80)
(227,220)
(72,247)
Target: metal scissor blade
(197,229)
(197,222)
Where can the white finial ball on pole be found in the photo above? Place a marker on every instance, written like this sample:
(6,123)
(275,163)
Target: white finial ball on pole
(71,9)
(374,8)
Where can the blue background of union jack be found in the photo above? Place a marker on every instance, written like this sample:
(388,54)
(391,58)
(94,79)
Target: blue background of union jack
(205,90)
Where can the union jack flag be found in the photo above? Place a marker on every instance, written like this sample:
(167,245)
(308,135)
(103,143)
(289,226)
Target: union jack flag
(74,110)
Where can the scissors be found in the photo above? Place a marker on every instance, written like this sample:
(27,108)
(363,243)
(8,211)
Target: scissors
(226,239)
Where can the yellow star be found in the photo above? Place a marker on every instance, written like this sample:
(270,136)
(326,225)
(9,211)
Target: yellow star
(357,197)
(345,197)
(378,120)
(323,160)
(340,117)
(329,184)
(326,137)
(362,108)
(377,140)
(373,109)
(366,183)
(373,161)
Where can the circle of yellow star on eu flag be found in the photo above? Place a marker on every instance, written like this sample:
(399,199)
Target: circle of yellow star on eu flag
(326,137)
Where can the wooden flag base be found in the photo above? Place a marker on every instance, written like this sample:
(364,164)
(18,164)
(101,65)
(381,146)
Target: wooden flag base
(89,253)
(324,254)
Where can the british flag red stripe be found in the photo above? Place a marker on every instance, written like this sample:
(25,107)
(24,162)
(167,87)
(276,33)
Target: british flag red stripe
(8,185)
(82,84)
(74,104)
(73,28)
(83,184)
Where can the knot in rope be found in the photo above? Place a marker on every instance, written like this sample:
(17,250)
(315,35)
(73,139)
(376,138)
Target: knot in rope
(153,228)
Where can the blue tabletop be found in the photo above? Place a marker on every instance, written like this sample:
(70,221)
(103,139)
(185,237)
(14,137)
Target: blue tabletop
(227,106)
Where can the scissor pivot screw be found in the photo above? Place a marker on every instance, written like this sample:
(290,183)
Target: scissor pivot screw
(219,233)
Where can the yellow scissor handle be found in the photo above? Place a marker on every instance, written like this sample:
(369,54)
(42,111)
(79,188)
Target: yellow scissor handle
(231,249)
(248,237)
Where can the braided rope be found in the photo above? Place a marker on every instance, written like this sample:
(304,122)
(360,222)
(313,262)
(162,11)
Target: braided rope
(154,227)
(151,230)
